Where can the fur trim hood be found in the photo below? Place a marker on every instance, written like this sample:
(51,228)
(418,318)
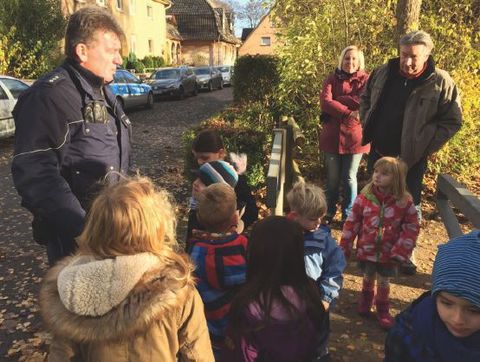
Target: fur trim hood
(88,299)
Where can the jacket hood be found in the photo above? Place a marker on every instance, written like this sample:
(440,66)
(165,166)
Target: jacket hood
(88,299)
(92,287)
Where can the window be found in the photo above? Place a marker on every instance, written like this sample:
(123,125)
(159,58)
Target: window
(101,2)
(150,45)
(130,78)
(118,77)
(265,41)
(3,94)
(119,4)
(133,44)
(132,7)
(149,12)
(14,86)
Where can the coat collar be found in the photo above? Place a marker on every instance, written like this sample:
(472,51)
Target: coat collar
(163,286)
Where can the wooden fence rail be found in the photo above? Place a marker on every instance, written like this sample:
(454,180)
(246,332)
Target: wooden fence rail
(449,191)
(283,171)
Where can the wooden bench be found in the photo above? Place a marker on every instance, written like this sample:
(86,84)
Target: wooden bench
(449,191)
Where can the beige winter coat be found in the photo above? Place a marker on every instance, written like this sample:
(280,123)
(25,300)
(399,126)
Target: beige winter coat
(130,308)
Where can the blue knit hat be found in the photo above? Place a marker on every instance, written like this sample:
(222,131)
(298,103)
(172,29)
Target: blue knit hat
(217,171)
(457,268)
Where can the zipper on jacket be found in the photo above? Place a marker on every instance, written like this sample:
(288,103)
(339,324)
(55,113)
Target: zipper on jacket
(379,238)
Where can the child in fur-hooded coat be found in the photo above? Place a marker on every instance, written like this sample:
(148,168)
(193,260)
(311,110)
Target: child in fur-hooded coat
(126,295)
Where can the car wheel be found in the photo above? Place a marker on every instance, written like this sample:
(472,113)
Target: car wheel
(210,86)
(150,101)
(195,90)
(181,93)
(121,102)
(221,84)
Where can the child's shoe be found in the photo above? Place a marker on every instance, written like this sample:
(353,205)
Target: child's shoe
(384,317)
(365,303)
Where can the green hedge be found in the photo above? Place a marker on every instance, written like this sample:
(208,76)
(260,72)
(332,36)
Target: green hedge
(255,77)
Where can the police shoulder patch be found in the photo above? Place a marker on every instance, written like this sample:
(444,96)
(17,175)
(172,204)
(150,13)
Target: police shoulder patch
(54,78)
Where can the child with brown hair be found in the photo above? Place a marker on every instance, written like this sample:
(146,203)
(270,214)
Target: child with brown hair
(219,255)
(278,314)
(385,220)
(208,146)
(126,295)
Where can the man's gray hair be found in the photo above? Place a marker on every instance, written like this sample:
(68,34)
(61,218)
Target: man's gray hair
(418,37)
(83,25)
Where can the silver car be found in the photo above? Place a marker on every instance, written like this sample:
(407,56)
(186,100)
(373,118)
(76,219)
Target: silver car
(208,78)
(226,71)
(10,89)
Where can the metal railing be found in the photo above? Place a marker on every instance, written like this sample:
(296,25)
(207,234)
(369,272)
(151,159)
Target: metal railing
(449,191)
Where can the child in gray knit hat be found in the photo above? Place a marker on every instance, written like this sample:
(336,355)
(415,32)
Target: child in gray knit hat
(444,324)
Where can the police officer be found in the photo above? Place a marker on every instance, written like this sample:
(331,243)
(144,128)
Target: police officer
(71,134)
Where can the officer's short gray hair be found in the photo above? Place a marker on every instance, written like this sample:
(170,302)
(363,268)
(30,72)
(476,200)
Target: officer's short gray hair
(83,24)
(418,37)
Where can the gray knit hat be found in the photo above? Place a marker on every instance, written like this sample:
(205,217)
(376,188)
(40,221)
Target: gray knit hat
(457,268)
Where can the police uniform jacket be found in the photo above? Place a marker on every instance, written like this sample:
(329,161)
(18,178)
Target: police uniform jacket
(70,135)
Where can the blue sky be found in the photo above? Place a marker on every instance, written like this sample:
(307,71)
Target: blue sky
(240,24)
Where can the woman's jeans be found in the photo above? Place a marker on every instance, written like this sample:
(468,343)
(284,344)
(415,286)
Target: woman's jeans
(341,169)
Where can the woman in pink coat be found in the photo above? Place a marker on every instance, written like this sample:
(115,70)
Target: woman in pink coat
(341,133)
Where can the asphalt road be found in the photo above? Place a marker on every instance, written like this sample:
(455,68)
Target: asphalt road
(157,153)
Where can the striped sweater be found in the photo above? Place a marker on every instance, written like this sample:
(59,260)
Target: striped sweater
(221,270)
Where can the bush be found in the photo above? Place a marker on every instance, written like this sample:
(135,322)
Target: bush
(158,62)
(316,32)
(148,62)
(138,66)
(129,61)
(238,138)
(255,77)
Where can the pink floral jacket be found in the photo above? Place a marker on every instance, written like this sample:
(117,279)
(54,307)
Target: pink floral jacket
(386,228)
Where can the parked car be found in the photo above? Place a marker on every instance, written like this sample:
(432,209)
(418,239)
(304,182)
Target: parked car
(208,78)
(177,82)
(130,90)
(10,89)
(226,71)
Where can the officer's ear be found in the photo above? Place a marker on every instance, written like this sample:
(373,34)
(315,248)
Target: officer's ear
(81,50)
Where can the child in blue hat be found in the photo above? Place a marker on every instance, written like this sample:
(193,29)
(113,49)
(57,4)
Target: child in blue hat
(444,324)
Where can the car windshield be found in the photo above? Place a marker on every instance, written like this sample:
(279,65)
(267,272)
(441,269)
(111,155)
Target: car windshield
(166,74)
(202,71)
(224,69)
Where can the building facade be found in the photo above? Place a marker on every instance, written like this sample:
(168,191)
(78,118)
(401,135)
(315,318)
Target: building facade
(206,29)
(260,40)
(143,21)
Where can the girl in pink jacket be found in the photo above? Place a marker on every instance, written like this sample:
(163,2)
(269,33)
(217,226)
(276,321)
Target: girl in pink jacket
(384,221)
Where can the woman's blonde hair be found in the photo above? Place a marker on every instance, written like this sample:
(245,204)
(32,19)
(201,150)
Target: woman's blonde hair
(398,169)
(127,218)
(361,57)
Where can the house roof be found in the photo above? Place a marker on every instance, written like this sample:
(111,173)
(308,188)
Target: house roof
(199,20)
(173,33)
(245,33)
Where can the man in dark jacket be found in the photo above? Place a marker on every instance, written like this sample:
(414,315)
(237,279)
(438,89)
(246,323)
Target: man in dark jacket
(71,134)
(410,109)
